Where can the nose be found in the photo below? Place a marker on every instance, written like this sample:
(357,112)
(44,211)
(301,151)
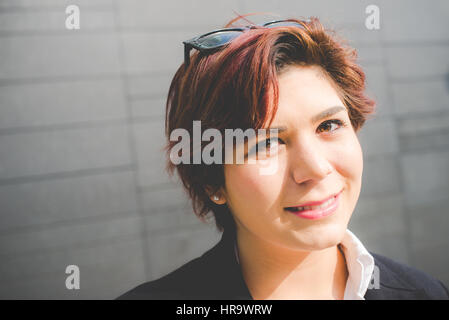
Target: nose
(309,162)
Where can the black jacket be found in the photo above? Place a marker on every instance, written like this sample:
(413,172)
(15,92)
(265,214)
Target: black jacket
(217,275)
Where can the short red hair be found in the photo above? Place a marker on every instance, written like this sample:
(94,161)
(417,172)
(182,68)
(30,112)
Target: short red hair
(236,87)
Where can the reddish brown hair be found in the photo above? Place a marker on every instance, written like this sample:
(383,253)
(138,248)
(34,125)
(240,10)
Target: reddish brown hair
(236,87)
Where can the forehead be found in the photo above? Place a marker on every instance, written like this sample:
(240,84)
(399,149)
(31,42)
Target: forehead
(305,91)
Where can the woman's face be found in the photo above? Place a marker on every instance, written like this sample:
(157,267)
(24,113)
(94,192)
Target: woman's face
(316,158)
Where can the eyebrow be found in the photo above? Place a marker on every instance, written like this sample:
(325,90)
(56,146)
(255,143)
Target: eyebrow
(324,114)
(327,113)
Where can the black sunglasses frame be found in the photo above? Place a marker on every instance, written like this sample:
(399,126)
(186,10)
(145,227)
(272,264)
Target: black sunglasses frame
(195,42)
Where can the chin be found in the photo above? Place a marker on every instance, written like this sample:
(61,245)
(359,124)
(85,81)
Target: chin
(320,237)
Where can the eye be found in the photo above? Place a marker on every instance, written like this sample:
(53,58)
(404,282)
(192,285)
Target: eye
(270,144)
(331,125)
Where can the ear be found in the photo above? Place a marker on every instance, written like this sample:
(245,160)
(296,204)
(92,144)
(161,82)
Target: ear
(217,196)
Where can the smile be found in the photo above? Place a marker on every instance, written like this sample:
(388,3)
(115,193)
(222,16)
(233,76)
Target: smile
(320,210)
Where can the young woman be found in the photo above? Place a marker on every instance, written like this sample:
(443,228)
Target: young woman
(285,233)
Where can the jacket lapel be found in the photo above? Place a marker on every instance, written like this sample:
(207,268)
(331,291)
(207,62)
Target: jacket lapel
(391,286)
(227,281)
(385,293)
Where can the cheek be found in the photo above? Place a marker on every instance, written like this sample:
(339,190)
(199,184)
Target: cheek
(348,160)
(246,187)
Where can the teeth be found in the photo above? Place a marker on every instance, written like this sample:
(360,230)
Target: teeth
(324,205)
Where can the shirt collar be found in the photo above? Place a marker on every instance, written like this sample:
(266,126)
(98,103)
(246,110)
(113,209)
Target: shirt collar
(360,264)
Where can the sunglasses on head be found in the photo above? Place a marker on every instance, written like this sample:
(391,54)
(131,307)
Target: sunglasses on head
(218,38)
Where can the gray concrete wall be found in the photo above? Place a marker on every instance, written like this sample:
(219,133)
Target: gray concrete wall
(81,126)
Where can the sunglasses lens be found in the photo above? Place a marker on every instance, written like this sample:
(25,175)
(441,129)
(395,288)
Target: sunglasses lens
(283,24)
(217,39)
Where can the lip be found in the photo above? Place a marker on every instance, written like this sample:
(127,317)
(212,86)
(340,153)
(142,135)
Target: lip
(315,214)
(316,203)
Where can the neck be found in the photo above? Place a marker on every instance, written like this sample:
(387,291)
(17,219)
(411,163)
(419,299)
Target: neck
(274,272)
